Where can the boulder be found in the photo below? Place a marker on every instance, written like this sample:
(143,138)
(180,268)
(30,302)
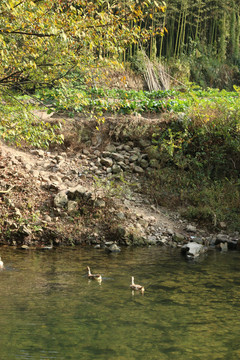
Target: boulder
(192,250)
(113,248)
(61,199)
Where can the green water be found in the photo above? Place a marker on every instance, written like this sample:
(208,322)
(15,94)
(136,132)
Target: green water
(49,309)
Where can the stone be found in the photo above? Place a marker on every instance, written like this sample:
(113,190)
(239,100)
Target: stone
(143,163)
(116,169)
(127,147)
(72,206)
(193,250)
(61,199)
(110,148)
(224,246)
(78,192)
(178,237)
(113,248)
(100,203)
(117,157)
(151,240)
(191,228)
(133,158)
(108,162)
(138,169)
(154,163)
(222,237)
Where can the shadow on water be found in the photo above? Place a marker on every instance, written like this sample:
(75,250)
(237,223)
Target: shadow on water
(50,310)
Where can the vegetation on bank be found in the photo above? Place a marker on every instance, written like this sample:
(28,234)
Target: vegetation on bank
(56,56)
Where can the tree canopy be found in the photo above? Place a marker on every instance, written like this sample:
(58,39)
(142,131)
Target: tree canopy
(42,41)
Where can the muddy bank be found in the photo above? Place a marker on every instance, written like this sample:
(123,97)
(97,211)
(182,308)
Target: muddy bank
(92,192)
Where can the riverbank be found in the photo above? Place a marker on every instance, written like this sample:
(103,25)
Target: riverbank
(92,192)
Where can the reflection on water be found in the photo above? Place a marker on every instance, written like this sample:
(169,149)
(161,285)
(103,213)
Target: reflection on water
(50,310)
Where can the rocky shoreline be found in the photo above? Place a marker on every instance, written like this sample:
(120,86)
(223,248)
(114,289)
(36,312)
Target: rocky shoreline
(90,196)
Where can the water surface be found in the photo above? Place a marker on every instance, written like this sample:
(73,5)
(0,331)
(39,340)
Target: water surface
(49,309)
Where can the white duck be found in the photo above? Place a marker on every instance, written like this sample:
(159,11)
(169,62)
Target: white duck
(91,276)
(1,263)
(136,287)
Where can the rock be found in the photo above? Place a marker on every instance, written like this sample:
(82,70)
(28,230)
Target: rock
(35,173)
(120,215)
(117,157)
(113,248)
(116,169)
(72,206)
(79,192)
(138,169)
(170,231)
(144,143)
(193,249)
(18,212)
(100,203)
(108,162)
(222,225)
(178,237)
(126,147)
(222,237)
(61,199)
(224,246)
(133,158)
(110,148)
(47,218)
(152,240)
(154,163)
(143,163)
(191,228)
(106,154)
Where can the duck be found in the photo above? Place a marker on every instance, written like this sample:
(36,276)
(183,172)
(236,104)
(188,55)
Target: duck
(136,287)
(1,263)
(91,276)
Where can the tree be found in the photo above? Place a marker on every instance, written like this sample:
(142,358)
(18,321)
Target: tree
(42,41)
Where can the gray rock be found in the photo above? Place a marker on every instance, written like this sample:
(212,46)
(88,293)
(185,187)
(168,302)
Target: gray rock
(61,199)
(106,154)
(144,143)
(127,147)
(154,163)
(222,237)
(191,228)
(113,248)
(178,237)
(143,163)
(78,192)
(110,148)
(138,169)
(193,249)
(72,206)
(117,157)
(100,203)
(133,158)
(152,240)
(224,246)
(116,169)
(108,162)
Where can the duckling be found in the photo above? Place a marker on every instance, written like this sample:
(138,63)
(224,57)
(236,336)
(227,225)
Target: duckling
(136,287)
(1,263)
(91,276)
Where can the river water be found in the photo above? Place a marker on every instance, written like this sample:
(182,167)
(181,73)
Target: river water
(50,310)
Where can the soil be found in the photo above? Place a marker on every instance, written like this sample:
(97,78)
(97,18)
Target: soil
(28,186)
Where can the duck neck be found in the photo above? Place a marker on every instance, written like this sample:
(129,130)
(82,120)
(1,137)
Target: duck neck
(132,280)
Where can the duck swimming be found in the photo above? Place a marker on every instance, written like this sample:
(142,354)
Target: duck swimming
(91,276)
(136,287)
(1,263)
